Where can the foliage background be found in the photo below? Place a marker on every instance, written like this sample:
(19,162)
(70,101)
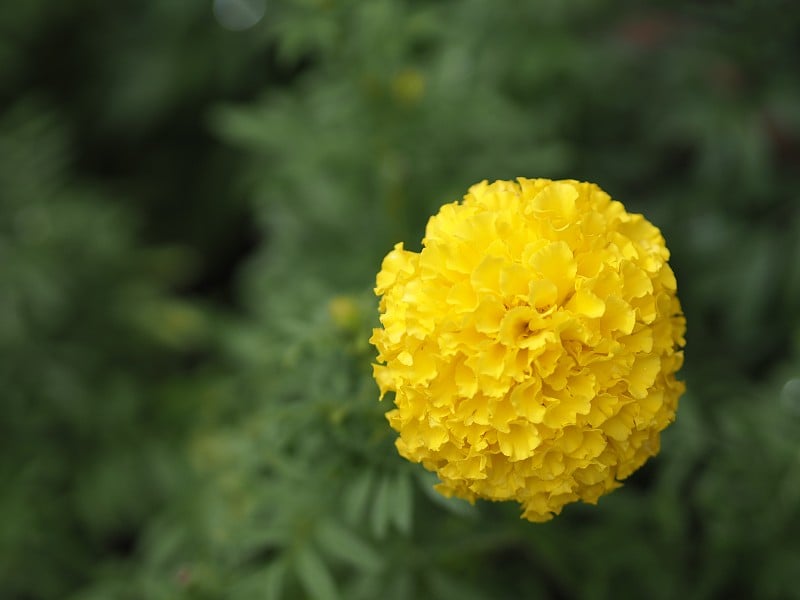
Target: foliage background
(190,223)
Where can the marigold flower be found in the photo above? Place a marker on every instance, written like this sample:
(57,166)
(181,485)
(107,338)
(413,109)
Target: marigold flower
(531,345)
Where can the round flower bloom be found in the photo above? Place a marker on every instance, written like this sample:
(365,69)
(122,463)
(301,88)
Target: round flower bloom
(531,345)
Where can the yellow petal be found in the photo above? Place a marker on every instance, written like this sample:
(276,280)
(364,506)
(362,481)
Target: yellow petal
(643,374)
(556,203)
(556,263)
(527,401)
(585,303)
(466,380)
(396,262)
(515,281)
(488,317)
(619,316)
(514,325)
(486,277)
(518,442)
(542,294)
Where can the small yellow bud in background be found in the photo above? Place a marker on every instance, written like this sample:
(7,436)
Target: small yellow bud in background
(344,311)
(408,86)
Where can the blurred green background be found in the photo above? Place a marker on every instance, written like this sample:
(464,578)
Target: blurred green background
(194,199)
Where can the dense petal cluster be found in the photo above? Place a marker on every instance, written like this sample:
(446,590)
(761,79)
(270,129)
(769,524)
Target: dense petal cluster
(531,345)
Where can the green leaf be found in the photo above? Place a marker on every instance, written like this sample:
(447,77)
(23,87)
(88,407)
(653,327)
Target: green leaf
(341,543)
(274,580)
(402,502)
(357,496)
(267,583)
(381,511)
(314,575)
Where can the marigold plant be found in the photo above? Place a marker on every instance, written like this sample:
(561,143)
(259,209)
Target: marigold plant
(531,345)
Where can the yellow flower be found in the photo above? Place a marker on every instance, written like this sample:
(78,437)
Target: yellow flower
(531,345)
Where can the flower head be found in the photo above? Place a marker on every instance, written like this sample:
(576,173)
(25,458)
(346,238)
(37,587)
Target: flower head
(531,345)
